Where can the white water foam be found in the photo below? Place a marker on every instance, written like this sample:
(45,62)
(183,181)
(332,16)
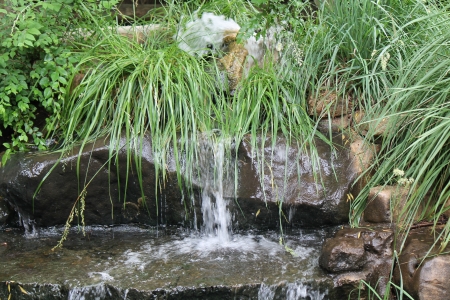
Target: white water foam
(292,291)
(216,216)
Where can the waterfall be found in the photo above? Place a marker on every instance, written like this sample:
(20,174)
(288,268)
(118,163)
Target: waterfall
(212,166)
(291,291)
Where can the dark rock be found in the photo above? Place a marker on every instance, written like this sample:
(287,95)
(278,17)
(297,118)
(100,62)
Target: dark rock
(342,254)
(4,211)
(305,202)
(423,273)
(27,291)
(356,254)
(260,190)
(51,204)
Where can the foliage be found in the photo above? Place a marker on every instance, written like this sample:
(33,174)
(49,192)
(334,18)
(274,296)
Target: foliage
(416,104)
(36,62)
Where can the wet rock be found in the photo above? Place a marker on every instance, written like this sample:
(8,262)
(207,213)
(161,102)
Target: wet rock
(288,181)
(342,254)
(424,274)
(105,194)
(27,291)
(356,254)
(4,211)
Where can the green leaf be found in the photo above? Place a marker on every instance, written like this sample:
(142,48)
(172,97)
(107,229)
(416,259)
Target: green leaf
(6,155)
(33,31)
(44,81)
(54,76)
(22,106)
(62,80)
(48,92)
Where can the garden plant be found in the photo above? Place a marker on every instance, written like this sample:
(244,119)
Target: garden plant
(390,58)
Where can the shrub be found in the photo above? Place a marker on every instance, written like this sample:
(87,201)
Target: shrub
(36,62)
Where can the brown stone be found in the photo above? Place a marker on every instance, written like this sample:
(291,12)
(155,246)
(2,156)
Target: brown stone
(373,266)
(363,154)
(234,61)
(342,254)
(423,277)
(334,125)
(385,205)
(327,103)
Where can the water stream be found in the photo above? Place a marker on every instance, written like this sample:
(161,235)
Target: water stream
(216,217)
(130,258)
(130,262)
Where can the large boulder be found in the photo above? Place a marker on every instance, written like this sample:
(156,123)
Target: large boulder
(289,186)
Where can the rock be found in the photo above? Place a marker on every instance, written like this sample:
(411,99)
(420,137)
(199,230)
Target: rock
(256,204)
(356,254)
(385,205)
(334,125)
(342,254)
(363,153)
(4,211)
(138,34)
(304,202)
(326,103)
(423,277)
(104,200)
(233,62)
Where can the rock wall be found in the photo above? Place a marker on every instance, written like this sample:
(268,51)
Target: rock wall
(113,198)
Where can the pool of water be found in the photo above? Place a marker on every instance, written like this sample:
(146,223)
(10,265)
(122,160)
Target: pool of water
(150,259)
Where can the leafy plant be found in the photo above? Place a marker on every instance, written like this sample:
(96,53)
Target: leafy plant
(37,60)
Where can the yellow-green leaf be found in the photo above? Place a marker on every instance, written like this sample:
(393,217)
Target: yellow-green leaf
(23,290)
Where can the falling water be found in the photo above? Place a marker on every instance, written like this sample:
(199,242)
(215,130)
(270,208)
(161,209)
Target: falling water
(216,217)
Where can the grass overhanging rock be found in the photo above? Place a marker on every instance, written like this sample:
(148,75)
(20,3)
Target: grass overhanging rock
(391,58)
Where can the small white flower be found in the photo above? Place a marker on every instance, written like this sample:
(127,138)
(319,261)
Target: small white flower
(298,54)
(403,181)
(373,53)
(279,47)
(384,60)
(399,173)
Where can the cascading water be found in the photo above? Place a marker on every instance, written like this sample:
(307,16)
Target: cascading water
(132,263)
(216,217)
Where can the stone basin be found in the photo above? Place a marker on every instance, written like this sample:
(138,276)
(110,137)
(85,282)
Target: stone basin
(127,262)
